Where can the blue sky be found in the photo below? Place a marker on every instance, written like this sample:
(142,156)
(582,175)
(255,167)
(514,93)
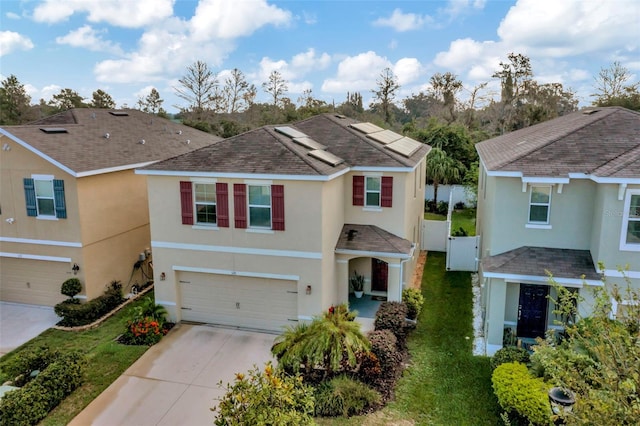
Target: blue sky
(126,47)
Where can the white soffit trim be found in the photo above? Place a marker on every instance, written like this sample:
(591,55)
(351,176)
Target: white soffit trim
(35,257)
(384,169)
(40,242)
(614,273)
(236,273)
(40,154)
(575,282)
(503,174)
(318,178)
(534,180)
(113,169)
(237,250)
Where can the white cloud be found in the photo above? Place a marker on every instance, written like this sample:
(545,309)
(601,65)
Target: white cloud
(357,73)
(11,41)
(89,38)
(309,61)
(407,70)
(227,20)
(402,22)
(571,28)
(12,15)
(122,13)
(459,7)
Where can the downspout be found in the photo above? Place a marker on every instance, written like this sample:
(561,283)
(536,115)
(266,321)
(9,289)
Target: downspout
(402,262)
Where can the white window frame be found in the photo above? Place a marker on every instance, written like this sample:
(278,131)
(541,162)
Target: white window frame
(49,180)
(249,206)
(204,203)
(626,220)
(546,223)
(368,191)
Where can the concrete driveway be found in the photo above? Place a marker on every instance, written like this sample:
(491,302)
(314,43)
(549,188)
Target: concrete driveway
(176,381)
(20,323)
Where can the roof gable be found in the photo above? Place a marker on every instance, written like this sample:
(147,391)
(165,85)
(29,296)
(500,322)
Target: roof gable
(603,142)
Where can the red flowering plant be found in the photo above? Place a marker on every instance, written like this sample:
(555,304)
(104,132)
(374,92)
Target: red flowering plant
(147,326)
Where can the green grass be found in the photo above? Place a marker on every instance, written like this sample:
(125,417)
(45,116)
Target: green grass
(106,360)
(445,384)
(465,219)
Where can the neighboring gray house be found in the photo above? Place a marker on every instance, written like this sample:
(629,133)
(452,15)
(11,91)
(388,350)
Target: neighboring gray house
(561,196)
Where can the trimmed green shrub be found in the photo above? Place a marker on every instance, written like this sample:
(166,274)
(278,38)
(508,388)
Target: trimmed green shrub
(22,365)
(269,397)
(521,394)
(31,403)
(343,396)
(74,314)
(509,354)
(414,300)
(71,287)
(392,316)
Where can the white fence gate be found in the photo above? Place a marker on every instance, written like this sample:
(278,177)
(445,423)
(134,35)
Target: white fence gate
(462,253)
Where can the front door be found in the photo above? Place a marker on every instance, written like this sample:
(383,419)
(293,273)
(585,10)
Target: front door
(532,310)
(379,275)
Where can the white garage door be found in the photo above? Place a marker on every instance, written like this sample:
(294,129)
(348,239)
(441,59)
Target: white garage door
(264,304)
(35,282)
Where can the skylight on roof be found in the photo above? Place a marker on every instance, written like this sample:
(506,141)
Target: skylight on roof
(290,131)
(384,137)
(366,128)
(307,142)
(53,130)
(326,157)
(405,146)
(119,113)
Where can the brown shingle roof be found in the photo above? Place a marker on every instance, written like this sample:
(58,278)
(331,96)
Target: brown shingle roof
(534,261)
(604,142)
(85,149)
(371,238)
(267,151)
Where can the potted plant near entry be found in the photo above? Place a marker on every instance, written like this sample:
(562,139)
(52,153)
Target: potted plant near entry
(357,283)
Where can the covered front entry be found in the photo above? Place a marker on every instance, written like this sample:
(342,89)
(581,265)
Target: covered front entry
(32,281)
(532,310)
(246,302)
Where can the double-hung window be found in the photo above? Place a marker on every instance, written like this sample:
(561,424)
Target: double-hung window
(372,191)
(44,197)
(205,203)
(630,238)
(539,204)
(259,206)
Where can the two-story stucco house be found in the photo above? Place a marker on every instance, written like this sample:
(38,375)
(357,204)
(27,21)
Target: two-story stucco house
(265,228)
(561,196)
(71,203)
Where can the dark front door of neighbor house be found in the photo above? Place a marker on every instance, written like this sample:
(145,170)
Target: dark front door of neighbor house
(532,310)
(379,275)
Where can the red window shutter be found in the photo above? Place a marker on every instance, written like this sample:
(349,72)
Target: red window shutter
(222,204)
(386,192)
(358,190)
(186,203)
(277,207)
(240,204)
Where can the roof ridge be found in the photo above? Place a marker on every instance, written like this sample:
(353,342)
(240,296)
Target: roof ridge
(557,136)
(620,161)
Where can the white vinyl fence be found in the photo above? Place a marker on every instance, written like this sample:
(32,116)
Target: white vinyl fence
(451,193)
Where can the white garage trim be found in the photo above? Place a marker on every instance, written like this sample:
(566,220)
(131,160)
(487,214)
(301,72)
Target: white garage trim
(237,250)
(35,257)
(40,242)
(236,273)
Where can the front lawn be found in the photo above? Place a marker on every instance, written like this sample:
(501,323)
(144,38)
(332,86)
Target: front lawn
(106,360)
(445,384)
(465,219)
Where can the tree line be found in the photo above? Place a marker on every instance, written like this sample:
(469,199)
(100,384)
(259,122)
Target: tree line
(439,116)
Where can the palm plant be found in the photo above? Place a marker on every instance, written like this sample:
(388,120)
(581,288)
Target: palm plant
(442,169)
(149,309)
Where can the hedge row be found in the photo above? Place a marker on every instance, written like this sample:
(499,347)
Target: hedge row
(520,393)
(76,314)
(32,402)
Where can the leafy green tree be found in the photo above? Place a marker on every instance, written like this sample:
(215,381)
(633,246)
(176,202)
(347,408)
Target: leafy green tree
(387,88)
(442,169)
(101,99)
(613,87)
(276,86)
(67,99)
(599,358)
(152,103)
(332,342)
(269,397)
(444,87)
(14,102)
